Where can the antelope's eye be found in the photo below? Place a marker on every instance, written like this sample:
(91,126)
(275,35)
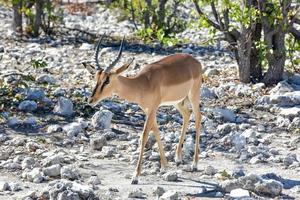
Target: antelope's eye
(106,81)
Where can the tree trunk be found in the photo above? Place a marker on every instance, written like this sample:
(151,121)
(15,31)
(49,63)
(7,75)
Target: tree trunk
(146,14)
(255,63)
(244,52)
(161,13)
(276,59)
(17,21)
(255,66)
(38,17)
(274,38)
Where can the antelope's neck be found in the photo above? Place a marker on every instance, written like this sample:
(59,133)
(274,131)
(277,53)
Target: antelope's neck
(128,88)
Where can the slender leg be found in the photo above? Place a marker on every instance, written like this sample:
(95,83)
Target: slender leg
(163,159)
(144,137)
(194,99)
(186,113)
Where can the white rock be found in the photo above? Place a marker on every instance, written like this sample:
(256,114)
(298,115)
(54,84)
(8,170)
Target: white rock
(3,186)
(290,112)
(35,175)
(170,176)
(52,171)
(207,93)
(54,128)
(224,114)
(286,99)
(188,146)
(210,170)
(86,46)
(169,195)
(295,123)
(98,143)
(102,119)
(238,140)
(229,185)
(64,107)
(290,159)
(109,151)
(82,122)
(69,172)
(54,159)
(84,191)
(3,138)
(4,155)
(68,195)
(282,121)
(242,90)
(94,180)
(258,86)
(32,146)
(158,191)
(249,134)
(31,195)
(281,88)
(14,187)
(255,160)
(269,187)
(136,193)
(28,163)
(295,141)
(239,193)
(73,128)
(224,129)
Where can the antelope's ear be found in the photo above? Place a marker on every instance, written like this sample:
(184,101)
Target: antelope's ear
(124,67)
(89,67)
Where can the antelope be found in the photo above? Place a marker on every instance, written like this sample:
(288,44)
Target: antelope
(174,80)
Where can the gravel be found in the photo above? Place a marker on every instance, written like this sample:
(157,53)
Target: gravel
(57,147)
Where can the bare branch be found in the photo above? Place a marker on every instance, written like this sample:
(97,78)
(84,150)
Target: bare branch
(226,19)
(214,11)
(216,14)
(201,14)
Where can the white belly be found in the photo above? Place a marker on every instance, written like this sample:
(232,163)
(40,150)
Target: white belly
(171,103)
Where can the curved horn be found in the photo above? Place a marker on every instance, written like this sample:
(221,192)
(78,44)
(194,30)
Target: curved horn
(118,57)
(97,52)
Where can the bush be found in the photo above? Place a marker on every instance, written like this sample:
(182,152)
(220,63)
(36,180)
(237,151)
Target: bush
(154,19)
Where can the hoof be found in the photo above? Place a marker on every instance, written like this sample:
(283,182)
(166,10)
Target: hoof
(178,163)
(194,167)
(134,181)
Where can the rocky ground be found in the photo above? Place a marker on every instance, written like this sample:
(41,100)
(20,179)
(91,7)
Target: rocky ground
(54,146)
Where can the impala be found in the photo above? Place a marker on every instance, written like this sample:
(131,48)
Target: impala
(174,80)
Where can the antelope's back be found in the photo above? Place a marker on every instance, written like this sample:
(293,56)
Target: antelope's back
(173,69)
